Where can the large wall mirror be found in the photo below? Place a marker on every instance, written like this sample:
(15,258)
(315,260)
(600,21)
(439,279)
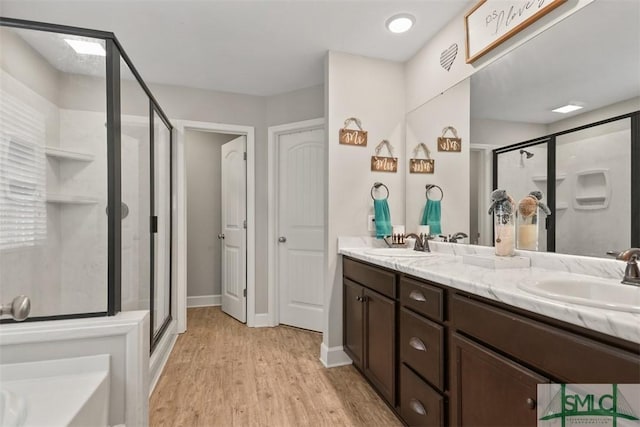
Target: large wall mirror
(591,59)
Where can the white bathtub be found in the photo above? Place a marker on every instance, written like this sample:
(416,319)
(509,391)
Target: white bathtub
(63,392)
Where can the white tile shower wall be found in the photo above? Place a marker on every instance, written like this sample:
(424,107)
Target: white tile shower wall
(35,270)
(83,228)
(593,232)
(135,171)
(578,232)
(519,181)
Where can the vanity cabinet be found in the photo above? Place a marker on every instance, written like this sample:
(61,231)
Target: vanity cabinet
(464,360)
(490,390)
(353,334)
(370,324)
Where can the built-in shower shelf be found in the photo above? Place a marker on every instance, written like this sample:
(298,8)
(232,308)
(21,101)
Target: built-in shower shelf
(560,206)
(61,154)
(592,189)
(591,199)
(543,178)
(66,199)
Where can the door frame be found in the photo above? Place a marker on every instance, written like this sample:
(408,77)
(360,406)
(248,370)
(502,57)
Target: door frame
(273,133)
(181,223)
(486,162)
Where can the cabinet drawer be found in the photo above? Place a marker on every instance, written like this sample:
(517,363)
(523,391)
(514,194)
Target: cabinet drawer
(421,347)
(423,298)
(374,278)
(547,348)
(420,405)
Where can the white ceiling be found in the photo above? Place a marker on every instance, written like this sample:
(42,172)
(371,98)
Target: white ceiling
(254,47)
(592,57)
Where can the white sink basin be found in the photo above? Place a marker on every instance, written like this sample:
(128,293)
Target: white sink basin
(601,293)
(397,252)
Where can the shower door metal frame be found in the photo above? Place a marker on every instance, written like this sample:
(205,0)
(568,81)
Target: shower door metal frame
(550,140)
(155,337)
(114,53)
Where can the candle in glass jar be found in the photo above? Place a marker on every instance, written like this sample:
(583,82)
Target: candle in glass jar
(505,239)
(528,237)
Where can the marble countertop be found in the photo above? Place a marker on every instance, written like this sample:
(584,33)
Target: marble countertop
(445,267)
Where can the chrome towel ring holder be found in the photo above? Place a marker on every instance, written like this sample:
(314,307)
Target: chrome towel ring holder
(376,186)
(430,187)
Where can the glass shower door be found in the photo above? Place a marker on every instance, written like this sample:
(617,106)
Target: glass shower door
(53,172)
(161,310)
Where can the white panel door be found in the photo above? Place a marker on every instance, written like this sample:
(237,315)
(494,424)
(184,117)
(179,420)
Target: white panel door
(301,228)
(234,236)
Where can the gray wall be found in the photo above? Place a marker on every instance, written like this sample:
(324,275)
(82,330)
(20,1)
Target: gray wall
(260,112)
(202,153)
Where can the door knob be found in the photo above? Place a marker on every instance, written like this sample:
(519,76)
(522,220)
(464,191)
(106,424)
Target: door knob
(18,308)
(221,236)
(282,239)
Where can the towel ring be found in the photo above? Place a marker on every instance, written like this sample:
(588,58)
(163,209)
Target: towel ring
(430,187)
(376,186)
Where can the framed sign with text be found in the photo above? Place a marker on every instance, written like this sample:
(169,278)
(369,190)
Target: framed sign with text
(449,141)
(491,22)
(417,165)
(353,136)
(384,164)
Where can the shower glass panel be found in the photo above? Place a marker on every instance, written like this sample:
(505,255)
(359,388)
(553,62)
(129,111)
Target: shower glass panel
(593,201)
(136,198)
(162,210)
(53,172)
(522,171)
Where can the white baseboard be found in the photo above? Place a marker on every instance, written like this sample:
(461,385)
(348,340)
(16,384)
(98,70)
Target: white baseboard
(204,301)
(161,354)
(262,320)
(332,357)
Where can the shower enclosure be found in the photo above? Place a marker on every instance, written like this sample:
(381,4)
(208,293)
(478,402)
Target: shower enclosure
(591,179)
(85,177)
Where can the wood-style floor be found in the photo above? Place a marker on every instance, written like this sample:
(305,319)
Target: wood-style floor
(222,373)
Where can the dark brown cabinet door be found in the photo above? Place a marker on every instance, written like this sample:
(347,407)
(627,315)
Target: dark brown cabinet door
(379,356)
(354,322)
(490,390)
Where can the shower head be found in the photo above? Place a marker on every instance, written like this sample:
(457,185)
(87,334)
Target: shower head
(529,154)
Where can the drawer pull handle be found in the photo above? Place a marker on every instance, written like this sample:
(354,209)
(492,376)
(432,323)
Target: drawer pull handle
(417,344)
(417,407)
(417,296)
(531,403)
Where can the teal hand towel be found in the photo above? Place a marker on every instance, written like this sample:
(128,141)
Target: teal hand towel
(383,218)
(431,216)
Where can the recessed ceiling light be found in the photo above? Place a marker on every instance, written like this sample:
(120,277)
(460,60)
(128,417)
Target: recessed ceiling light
(86,48)
(400,23)
(567,108)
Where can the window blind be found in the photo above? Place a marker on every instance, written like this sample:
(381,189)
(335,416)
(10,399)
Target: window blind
(23,210)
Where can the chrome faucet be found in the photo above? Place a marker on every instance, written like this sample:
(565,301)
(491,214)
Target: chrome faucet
(422,244)
(457,236)
(631,272)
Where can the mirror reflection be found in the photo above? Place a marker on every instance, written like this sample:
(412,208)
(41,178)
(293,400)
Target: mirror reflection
(590,60)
